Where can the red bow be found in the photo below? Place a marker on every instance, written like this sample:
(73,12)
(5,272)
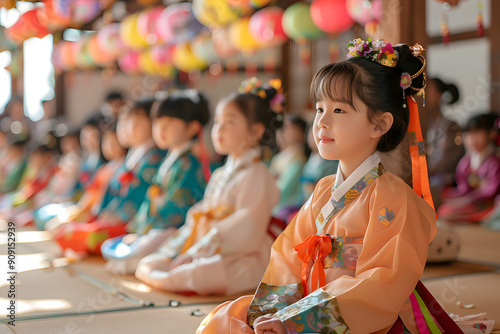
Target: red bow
(314,248)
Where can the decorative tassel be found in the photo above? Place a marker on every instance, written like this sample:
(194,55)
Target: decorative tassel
(479,19)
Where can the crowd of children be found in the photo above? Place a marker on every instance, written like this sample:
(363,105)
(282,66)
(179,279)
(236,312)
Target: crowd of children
(135,186)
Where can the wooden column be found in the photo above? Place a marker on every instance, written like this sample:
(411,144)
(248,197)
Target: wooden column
(494,34)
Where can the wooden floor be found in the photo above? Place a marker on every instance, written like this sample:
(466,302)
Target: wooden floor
(56,297)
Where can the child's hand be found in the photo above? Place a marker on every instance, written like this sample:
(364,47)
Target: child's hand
(268,325)
(180,260)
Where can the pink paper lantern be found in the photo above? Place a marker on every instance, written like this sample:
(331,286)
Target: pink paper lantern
(129,63)
(364,11)
(177,24)
(146,24)
(162,54)
(266,27)
(85,10)
(109,39)
(331,15)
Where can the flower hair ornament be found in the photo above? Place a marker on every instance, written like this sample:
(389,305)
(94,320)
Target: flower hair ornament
(384,54)
(256,87)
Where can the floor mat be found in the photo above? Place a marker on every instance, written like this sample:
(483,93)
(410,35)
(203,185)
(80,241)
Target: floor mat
(155,320)
(434,270)
(479,244)
(480,291)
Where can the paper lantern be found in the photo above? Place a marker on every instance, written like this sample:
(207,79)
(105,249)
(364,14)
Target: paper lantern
(83,57)
(240,36)
(203,48)
(99,55)
(298,24)
(62,8)
(266,27)
(84,11)
(364,11)
(50,19)
(222,44)
(129,33)
(185,60)
(214,13)
(146,24)
(129,63)
(145,63)
(68,55)
(331,15)
(27,26)
(259,3)
(110,41)
(177,24)
(162,56)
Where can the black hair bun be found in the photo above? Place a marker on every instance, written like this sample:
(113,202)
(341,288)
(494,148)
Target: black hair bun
(409,63)
(450,92)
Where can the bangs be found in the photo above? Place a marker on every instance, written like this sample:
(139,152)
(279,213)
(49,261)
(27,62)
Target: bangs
(339,82)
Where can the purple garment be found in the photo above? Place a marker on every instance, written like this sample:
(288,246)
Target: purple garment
(481,185)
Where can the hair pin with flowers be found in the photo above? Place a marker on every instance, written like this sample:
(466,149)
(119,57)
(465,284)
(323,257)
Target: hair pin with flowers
(257,87)
(378,51)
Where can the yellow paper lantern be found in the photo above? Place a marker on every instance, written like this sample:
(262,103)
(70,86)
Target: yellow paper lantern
(146,63)
(130,34)
(241,38)
(214,13)
(185,60)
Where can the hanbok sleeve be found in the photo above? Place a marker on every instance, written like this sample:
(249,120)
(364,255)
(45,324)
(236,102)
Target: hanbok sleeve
(244,230)
(391,262)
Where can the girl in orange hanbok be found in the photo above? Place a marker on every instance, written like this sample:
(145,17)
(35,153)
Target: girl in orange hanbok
(351,260)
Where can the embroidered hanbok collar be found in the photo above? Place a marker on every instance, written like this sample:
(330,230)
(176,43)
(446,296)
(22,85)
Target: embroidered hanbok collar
(477,159)
(345,191)
(235,164)
(341,186)
(135,155)
(172,157)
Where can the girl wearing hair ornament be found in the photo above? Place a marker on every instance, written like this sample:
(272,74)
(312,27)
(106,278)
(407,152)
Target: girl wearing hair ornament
(224,245)
(351,260)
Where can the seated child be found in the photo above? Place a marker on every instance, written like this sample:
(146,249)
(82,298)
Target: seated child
(125,192)
(350,260)
(314,170)
(64,180)
(53,216)
(40,169)
(12,166)
(477,174)
(178,184)
(90,139)
(287,165)
(223,248)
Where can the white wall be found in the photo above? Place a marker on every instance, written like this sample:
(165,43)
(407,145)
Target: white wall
(464,63)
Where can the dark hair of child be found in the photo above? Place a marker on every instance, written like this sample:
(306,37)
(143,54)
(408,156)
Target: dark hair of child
(377,86)
(142,106)
(186,105)
(113,96)
(302,125)
(450,91)
(484,122)
(258,110)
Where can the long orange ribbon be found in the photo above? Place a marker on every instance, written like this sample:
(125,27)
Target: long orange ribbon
(314,248)
(420,177)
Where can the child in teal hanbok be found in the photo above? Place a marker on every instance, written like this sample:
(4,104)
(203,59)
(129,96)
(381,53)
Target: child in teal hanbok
(179,183)
(13,164)
(126,190)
